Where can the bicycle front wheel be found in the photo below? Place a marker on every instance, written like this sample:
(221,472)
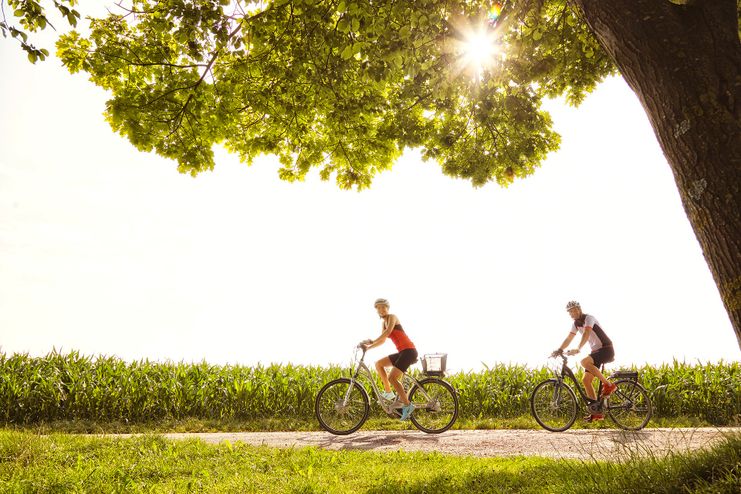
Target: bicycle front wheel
(553,405)
(435,405)
(342,408)
(629,406)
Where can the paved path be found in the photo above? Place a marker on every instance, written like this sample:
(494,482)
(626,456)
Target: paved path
(584,444)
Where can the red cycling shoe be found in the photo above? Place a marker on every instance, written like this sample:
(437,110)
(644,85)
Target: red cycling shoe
(595,417)
(608,389)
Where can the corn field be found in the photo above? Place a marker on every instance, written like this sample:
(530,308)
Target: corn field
(74,387)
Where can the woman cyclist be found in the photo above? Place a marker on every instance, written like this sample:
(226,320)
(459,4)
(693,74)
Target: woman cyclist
(399,362)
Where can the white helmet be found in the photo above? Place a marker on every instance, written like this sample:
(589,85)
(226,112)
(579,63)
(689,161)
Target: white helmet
(572,305)
(381,301)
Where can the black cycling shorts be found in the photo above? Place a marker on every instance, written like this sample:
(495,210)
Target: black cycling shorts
(604,355)
(403,359)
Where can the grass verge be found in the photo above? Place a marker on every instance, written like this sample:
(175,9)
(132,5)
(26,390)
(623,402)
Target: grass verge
(66,463)
(299,424)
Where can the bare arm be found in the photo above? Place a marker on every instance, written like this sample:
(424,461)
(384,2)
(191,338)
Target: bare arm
(585,337)
(389,326)
(566,342)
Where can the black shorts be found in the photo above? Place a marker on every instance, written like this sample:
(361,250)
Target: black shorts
(604,355)
(403,359)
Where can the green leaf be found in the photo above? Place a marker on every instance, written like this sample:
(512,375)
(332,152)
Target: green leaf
(343,25)
(347,52)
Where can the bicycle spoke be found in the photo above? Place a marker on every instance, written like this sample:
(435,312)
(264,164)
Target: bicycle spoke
(553,404)
(341,409)
(436,405)
(629,406)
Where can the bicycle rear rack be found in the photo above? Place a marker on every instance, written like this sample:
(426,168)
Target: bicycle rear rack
(625,374)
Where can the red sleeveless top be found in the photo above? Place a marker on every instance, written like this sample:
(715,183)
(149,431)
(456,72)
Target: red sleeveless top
(400,338)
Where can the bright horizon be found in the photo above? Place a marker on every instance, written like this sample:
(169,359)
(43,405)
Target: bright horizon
(107,250)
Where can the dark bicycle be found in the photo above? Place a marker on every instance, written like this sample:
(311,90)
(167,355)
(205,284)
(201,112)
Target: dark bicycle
(554,405)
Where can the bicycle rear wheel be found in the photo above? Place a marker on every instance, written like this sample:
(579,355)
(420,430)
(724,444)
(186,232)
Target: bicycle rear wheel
(553,405)
(436,405)
(340,408)
(629,406)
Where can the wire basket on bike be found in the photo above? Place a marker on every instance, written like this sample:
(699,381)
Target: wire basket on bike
(433,364)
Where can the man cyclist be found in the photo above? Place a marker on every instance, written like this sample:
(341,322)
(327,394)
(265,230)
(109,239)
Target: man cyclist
(602,352)
(399,362)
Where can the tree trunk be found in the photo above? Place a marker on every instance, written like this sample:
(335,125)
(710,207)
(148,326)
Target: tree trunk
(684,63)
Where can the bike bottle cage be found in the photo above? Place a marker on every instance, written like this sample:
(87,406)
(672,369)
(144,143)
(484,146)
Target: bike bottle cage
(625,374)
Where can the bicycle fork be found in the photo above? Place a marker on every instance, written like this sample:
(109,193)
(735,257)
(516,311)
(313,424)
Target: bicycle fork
(346,400)
(557,392)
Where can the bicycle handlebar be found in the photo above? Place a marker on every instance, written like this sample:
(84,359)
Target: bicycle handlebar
(364,342)
(360,347)
(560,353)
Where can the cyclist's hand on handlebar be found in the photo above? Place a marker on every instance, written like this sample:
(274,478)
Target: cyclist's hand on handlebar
(573,351)
(556,353)
(365,344)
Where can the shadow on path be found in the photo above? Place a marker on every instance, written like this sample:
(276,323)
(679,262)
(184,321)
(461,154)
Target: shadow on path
(377,441)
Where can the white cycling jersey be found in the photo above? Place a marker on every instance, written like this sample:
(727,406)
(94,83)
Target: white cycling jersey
(597,338)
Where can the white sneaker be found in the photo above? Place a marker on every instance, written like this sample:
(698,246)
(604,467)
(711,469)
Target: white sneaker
(407,411)
(388,395)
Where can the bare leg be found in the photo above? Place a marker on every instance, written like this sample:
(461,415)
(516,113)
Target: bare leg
(381,369)
(588,378)
(396,375)
(592,369)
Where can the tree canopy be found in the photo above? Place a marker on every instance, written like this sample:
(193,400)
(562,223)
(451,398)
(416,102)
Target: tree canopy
(340,85)
(31,17)
(343,86)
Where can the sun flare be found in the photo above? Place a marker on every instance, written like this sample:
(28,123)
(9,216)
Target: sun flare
(479,50)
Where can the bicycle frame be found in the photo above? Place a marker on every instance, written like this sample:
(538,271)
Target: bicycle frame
(567,372)
(387,405)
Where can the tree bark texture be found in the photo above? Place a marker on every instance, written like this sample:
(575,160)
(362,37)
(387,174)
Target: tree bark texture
(684,63)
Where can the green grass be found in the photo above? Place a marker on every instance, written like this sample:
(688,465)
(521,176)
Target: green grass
(74,387)
(194,424)
(62,463)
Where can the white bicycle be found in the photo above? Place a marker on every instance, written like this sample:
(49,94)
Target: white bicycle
(342,406)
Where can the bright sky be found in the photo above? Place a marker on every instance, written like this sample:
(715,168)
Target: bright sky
(107,250)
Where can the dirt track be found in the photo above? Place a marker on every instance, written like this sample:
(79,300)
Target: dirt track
(584,444)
